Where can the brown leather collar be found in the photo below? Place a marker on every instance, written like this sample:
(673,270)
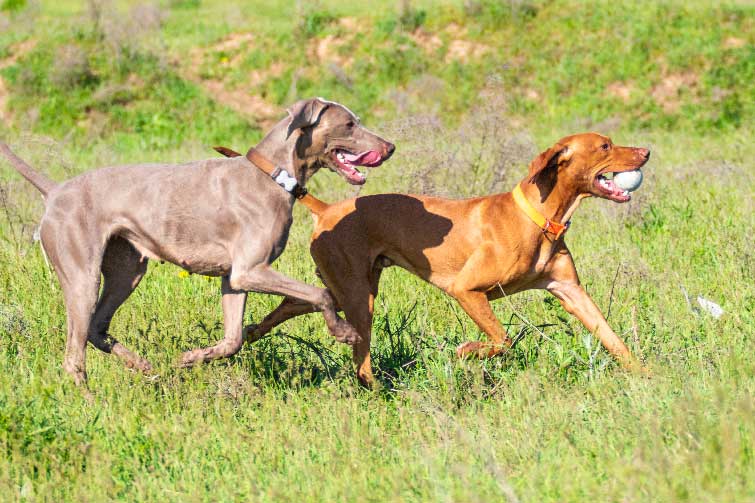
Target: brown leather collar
(263,164)
(281,176)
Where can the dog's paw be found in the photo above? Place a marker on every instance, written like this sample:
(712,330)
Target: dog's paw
(369,383)
(191,358)
(468,349)
(88,395)
(139,363)
(477,349)
(346,333)
(637,368)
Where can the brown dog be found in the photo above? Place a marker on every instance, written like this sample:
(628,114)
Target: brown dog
(476,250)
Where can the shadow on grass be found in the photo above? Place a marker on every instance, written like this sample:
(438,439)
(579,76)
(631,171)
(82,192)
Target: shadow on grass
(397,348)
(400,351)
(292,361)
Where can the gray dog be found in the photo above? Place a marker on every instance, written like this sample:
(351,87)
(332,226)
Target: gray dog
(219,217)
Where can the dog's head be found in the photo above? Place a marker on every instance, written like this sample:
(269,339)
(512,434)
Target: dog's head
(329,134)
(586,164)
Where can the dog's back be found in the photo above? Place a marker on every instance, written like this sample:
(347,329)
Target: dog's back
(410,231)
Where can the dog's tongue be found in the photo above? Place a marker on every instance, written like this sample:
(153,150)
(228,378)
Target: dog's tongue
(369,157)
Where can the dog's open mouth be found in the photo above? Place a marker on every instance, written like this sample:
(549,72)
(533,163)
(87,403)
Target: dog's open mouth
(607,189)
(346,164)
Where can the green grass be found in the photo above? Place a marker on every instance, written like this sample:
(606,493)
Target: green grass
(284,420)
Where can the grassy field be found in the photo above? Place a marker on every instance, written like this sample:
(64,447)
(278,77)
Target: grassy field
(470,92)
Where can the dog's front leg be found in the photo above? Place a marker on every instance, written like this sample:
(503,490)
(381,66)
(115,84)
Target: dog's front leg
(563,282)
(234,302)
(578,303)
(264,279)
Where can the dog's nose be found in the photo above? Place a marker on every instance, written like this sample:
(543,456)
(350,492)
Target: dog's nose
(389,149)
(645,153)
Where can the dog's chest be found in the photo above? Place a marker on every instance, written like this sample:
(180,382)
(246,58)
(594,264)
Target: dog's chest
(209,258)
(530,263)
(209,264)
(543,256)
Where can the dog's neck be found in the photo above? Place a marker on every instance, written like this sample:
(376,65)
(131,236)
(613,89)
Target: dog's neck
(557,204)
(281,151)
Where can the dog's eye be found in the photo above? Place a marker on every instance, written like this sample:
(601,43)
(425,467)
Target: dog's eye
(605,146)
(350,124)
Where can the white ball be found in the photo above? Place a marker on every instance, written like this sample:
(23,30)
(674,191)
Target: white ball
(628,180)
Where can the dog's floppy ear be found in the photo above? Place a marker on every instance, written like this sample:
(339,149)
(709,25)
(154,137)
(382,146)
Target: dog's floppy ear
(548,159)
(305,113)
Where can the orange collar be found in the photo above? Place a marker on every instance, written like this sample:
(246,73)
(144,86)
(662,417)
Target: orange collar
(546,225)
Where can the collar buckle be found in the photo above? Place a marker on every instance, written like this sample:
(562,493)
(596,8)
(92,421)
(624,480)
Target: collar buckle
(559,229)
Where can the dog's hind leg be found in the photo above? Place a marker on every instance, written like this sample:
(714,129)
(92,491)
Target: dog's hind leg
(477,306)
(234,303)
(122,269)
(79,308)
(78,268)
(360,315)
(287,309)
(467,290)
(264,279)
(355,292)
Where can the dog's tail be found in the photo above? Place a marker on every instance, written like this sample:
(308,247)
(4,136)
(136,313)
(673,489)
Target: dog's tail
(40,181)
(316,206)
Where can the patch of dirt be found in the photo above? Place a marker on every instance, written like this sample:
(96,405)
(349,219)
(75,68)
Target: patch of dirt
(234,47)
(463,50)
(719,94)
(17,51)
(667,92)
(459,49)
(621,90)
(734,43)
(429,42)
(244,103)
(257,77)
(456,30)
(349,23)
(532,94)
(327,50)
(233,42)
(4,114)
